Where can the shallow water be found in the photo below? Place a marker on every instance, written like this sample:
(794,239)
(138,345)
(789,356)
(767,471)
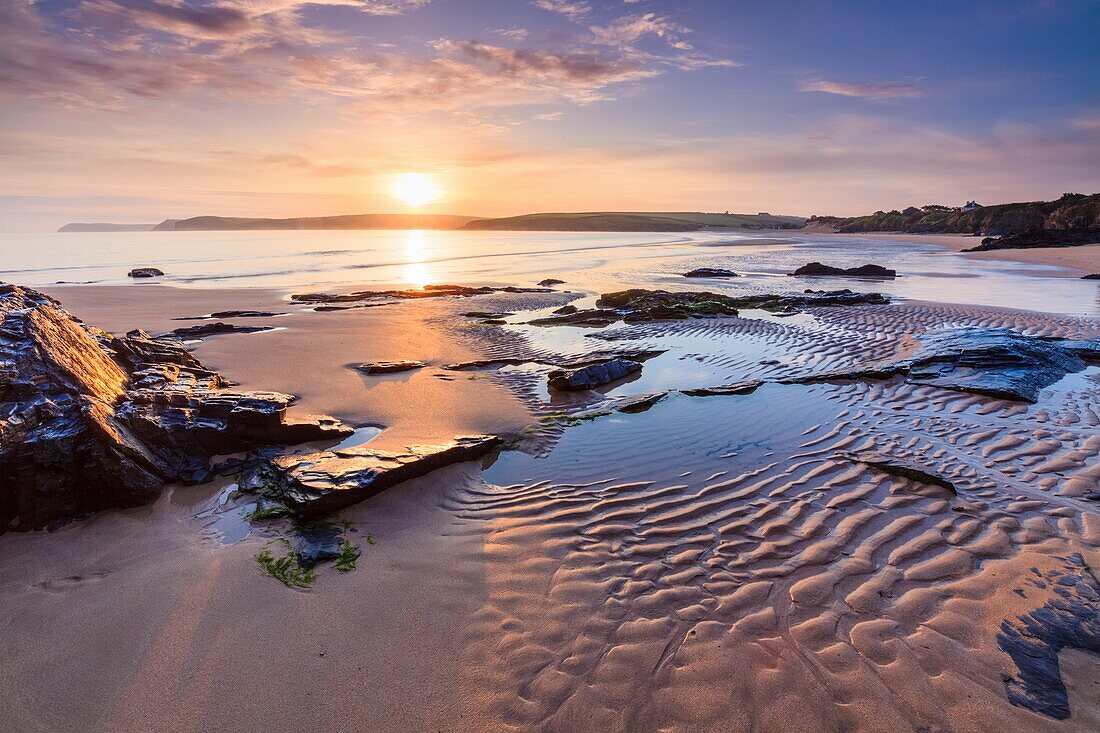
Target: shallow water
(596,260)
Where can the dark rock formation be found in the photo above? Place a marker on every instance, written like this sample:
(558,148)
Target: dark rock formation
(389,367)
(898,466)
(429,291)
(816,269)
(145,272)
(636,306)
(90,421)
(213,329)
(550,281)
(711,272)
(1042,238)
(738,388)
(594,375)
(998,362)
(1071,620)
(231,314)
(316,484)
(1093,276)
(318,544)
(487,314)
(596,357)
(566,310)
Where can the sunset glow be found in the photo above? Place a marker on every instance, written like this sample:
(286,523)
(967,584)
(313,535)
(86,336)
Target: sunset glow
(415,189)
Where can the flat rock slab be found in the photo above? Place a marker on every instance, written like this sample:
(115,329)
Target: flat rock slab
(997,362)
(711,272)
(428,291)
(317,484)
(593,376)
(389,367)
(213,329)
(141,272)
(901,467)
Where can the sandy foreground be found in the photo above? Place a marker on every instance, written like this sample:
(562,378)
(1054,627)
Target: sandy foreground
(712,564)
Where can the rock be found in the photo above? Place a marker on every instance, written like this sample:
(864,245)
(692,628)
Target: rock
(231,314)
(816,269)
(428,291)
(596,357)
(213,329)
(592,376)
(1039,238)
(486,314)
(389,367)
(635,306)
(318,544)
(316,484)
(566,310)
(898,466)
(998,362)
(550,281)
(711,272)
(1069,620)
(1093,276)
(145,272)
(737,388)
(90,421)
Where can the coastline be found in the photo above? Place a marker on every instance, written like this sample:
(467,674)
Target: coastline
(626,571)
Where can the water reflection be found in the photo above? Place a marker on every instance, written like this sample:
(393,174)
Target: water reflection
(417,272)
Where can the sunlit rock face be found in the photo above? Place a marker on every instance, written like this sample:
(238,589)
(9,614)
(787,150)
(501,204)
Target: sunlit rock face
(90,421)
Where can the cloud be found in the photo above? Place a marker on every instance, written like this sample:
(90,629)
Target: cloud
(876,92)
(628,29)
(512,34)
(572,9)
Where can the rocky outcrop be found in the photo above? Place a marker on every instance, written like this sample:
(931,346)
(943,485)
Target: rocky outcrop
(1044,238)
(997,362)
(710,272)
(144,272)
(90,421)
(1093,276)
(816,269)
(903,468)
(639,306)
(550,281)
(592,376)
(428,291)
(316,484)
(389,367)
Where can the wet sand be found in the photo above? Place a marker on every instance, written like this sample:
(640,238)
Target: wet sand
(1078,261)
(713,563)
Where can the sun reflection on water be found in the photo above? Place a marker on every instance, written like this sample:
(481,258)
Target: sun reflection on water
(417,271)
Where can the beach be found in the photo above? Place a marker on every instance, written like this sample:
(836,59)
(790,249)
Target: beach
(701,562)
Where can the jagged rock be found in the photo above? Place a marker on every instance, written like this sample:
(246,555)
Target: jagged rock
(550,281)
(317,484)
(565,310)
(429,291)
(998,362)
(389,367)
(637,305)
(1069,620)
(816,269)
(213,329)
(594,375)
(711,272)
(902,467)
(1093,276)
(145,272)
(90,421)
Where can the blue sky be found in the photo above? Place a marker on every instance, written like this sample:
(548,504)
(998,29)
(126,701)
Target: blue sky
(131,110)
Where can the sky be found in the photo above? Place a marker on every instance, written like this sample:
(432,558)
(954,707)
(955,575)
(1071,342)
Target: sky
(134,111)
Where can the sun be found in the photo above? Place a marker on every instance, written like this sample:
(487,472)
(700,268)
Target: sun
(415,189)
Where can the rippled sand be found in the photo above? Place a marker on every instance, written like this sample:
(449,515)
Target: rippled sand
(716,563)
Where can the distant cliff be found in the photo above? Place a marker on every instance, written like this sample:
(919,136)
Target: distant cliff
(617,221)
(350,221)
(1072,211)
(105,227)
